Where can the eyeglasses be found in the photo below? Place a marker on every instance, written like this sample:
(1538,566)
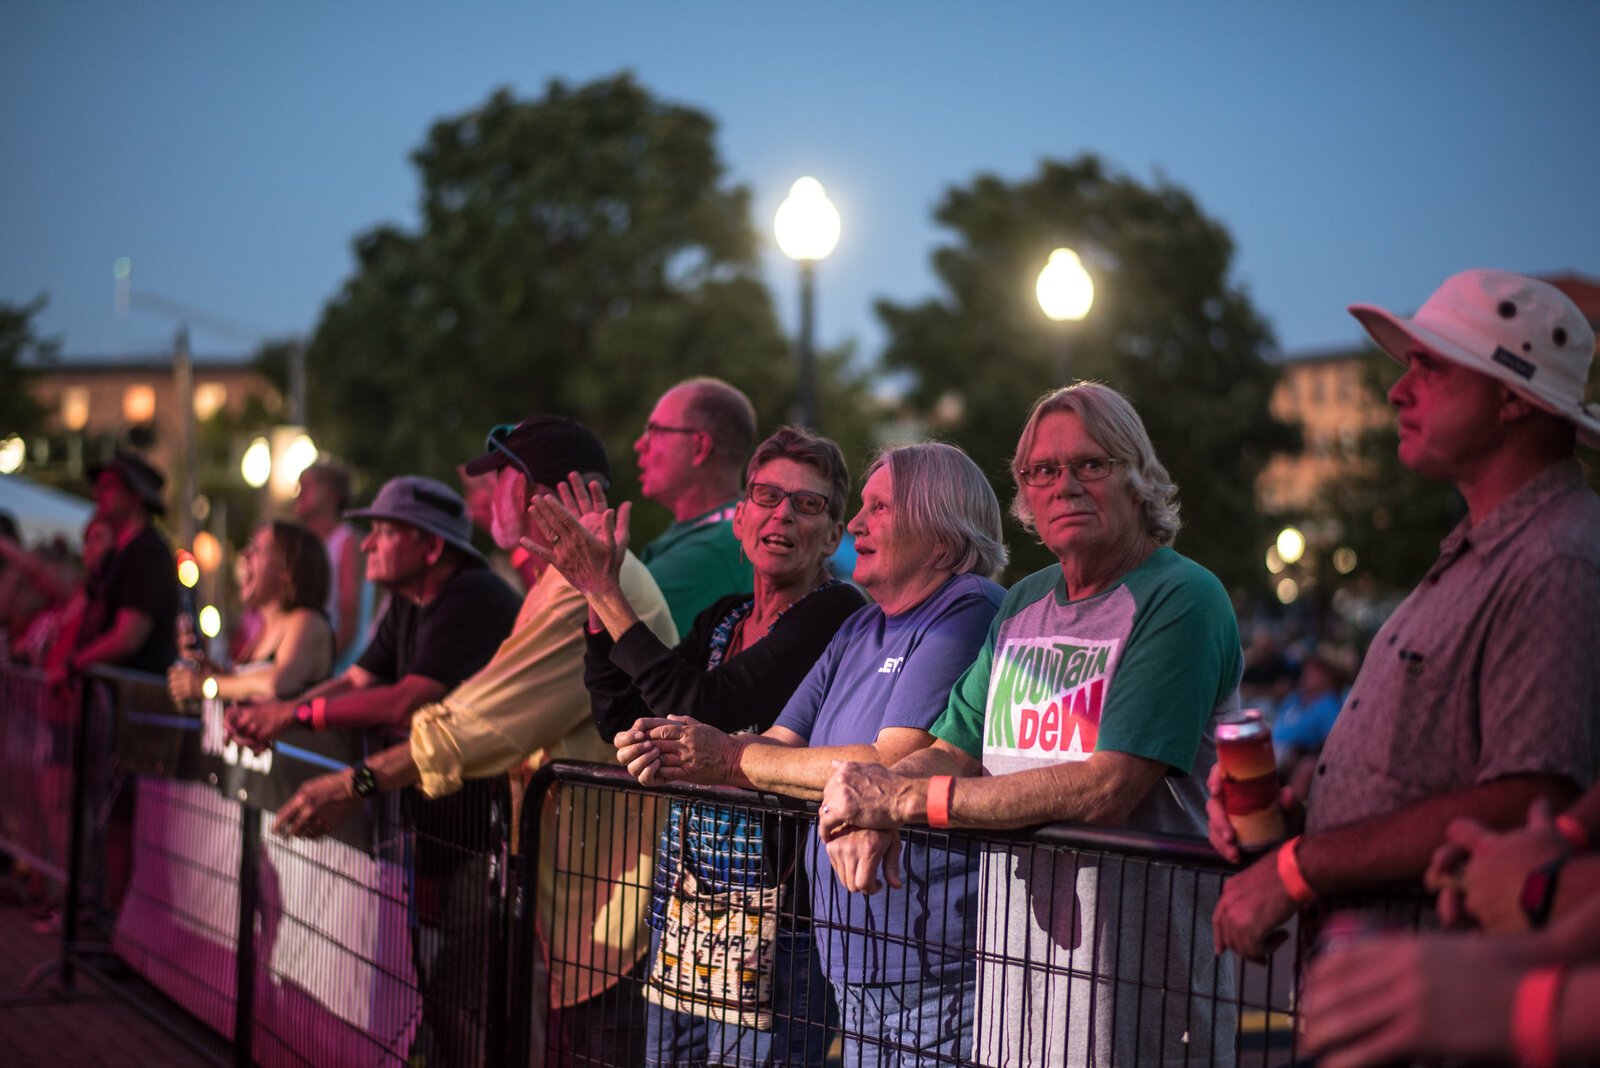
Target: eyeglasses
(663,428)
(496,442)
(769,496)
(1089,469)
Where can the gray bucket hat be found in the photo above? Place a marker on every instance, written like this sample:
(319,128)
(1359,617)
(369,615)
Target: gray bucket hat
(424,503)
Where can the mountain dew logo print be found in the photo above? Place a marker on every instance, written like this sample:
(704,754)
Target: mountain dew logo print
(1045,696)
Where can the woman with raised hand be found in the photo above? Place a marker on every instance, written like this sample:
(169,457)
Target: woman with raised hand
(283,574)
(927,538)
(736,668)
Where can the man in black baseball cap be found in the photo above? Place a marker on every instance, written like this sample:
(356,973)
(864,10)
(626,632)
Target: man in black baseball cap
(529,704)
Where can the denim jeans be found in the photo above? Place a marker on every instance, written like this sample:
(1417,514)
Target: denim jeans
(801,1011)
(915,1024)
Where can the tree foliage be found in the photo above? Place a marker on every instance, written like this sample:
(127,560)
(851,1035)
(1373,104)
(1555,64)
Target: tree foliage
(577,254)
(21,350)
(1169,328)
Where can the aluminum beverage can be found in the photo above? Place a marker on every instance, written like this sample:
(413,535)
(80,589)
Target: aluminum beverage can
(1250,779)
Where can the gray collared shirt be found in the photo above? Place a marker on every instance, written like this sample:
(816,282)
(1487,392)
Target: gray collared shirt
(1490,668)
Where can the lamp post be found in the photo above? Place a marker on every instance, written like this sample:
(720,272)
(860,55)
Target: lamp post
(1065,293)
(807,228)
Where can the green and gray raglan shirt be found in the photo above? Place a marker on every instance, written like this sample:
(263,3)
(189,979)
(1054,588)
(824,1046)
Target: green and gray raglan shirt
(1146,667)
(1143,668)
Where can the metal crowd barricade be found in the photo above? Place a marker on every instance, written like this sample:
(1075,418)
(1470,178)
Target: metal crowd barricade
(38,730)
(1088,946)
(298,952)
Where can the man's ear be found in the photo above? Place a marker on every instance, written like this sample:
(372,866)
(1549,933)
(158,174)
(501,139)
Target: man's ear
(703,448)
(435,549)
(1514,407)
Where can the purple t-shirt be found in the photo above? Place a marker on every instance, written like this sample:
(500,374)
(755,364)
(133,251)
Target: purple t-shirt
(894,671)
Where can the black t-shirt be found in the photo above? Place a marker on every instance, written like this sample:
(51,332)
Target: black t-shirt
(143,576)
(448,639)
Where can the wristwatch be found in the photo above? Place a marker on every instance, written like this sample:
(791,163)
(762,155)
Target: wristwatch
(1539,891)
(363,781)
(302,714)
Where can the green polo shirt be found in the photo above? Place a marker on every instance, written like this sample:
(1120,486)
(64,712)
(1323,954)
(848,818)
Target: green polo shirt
(696,562)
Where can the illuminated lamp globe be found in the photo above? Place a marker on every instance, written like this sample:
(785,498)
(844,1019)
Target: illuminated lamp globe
(807,224)
(1064,289)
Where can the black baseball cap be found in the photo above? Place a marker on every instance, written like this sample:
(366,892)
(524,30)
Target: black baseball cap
(545,449)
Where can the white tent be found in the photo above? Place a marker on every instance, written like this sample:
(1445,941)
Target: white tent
(42,513)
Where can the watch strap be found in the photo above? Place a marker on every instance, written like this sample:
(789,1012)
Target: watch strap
(363,781)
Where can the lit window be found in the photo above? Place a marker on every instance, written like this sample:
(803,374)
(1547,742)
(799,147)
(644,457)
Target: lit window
(139,403)
(75,407)
(209,397)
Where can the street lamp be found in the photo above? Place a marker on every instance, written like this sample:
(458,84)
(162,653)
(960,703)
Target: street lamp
(807,228)
(1065,292)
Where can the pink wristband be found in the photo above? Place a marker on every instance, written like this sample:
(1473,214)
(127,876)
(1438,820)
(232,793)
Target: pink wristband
(319,713)
(1533,1017)
(1289,874)
(940,787)
(1573,832)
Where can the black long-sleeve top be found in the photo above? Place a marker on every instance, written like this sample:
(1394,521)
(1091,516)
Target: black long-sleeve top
(637,675)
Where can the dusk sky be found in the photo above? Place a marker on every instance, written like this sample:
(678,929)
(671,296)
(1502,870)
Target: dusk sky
(1357,151)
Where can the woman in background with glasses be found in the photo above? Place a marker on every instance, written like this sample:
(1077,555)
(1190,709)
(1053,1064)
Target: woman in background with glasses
(736,668)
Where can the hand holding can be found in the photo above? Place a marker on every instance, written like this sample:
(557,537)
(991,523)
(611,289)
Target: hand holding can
(1250,780)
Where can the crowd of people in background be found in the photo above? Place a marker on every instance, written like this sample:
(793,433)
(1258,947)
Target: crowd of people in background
(1461,753)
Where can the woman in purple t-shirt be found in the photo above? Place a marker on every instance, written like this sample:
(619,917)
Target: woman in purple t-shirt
(927,535)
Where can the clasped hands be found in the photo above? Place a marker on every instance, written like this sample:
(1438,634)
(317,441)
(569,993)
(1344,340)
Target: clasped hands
(859,820)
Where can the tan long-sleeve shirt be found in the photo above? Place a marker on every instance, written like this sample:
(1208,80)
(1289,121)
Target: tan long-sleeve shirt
(529,706)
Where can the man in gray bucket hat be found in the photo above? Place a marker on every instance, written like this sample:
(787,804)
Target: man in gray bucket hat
(1481,693)
(447,614)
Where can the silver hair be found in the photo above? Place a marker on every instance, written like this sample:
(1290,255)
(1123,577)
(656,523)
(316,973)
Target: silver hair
(941,494)
(1110,419)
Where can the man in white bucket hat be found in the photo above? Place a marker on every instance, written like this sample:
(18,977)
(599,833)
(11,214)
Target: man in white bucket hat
(1481,694)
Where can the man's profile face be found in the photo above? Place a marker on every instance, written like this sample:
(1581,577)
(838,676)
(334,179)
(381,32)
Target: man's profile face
(1449,415)
(666,449)
(397,553)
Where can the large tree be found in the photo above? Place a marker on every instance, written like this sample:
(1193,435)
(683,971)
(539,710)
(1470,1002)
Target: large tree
(1170,328)
(21,350)
(577,254)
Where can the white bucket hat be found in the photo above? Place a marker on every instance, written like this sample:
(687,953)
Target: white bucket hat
(1522,331)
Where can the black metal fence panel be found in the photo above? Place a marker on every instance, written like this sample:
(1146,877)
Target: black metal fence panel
(1064,946)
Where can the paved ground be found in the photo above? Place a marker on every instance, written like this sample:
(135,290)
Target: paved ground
(41,1029)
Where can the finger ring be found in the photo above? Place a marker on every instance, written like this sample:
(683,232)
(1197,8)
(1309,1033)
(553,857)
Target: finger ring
(554,538)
